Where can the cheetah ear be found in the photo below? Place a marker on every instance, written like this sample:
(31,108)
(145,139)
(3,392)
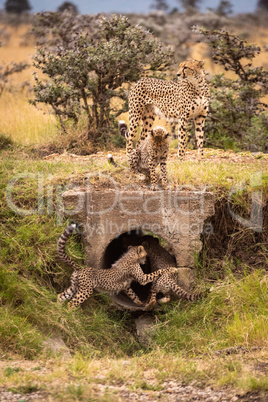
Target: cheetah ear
(130,247)
(145,244)
(140,249)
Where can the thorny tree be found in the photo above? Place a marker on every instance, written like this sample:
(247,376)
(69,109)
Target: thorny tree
(88,63)
(237,117)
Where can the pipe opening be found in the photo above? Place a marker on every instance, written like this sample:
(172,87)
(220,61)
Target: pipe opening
(116,249)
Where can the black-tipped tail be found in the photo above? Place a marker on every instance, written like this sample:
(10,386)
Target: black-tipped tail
(111,160)
(123,128)
(61,246)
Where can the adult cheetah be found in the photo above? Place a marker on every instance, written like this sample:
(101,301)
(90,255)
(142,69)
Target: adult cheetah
(187,98)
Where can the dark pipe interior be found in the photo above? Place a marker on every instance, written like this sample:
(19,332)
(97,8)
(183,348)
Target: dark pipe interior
(113,252)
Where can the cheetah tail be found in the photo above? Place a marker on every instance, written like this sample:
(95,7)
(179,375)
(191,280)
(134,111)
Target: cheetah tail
(123,128)
(61,246)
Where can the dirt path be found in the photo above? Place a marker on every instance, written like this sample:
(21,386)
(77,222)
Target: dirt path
(41,381)
(171,391)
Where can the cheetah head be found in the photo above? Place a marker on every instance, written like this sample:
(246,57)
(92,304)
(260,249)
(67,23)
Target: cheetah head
(189,68)
(149,243)
(158,134)
(139,253)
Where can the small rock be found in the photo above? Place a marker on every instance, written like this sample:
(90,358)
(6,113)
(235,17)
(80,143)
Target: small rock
(56,345)
(144,326)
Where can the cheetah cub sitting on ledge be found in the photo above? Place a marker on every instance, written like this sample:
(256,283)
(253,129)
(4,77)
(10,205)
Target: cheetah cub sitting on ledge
(112,281)
(151,152)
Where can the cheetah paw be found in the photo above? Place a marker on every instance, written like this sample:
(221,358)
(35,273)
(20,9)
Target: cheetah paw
(149,306)
(164,300)
(154,187)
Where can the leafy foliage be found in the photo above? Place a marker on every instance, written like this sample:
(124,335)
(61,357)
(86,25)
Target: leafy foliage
(237,117)
(224,8)
(68,5)
(160,5)
(87,68)
(189,5)
(17,6)
(262,5)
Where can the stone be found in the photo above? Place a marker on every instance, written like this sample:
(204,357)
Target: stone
(144,327)
(56,345)
(105,214)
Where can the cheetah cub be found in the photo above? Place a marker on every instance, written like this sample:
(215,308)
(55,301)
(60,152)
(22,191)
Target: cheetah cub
(167,283)
(114,280)
(151,152)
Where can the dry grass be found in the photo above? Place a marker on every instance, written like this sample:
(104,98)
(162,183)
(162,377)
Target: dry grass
(24,123)
(85,379)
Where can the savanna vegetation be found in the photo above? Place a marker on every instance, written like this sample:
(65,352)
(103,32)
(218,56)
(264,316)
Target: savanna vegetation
(59,106)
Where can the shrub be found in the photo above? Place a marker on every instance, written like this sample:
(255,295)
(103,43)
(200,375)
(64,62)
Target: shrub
(237,116)
(87,68)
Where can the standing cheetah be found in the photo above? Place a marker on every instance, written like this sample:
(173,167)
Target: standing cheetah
(152,151)
(112,281)
(181,100)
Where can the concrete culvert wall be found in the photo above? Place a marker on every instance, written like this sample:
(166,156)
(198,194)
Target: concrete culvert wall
(112,217)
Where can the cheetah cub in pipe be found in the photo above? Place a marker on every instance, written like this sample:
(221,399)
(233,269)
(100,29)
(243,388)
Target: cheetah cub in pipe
(166,284)
(114,280)
(151,152)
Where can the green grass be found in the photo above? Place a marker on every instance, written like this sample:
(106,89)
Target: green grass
(101,339)
(31,275)
(234,314)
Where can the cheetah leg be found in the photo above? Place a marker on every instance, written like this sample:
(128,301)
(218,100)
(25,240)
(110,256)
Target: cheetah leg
(134,160)
(147,122)
(181,292)
(143,279)
(66,295)
(163,168)
(182,137)
(83,294)
(69,293)
(132,295)
(152,167)
(199,134)
(152,301)
(134,121)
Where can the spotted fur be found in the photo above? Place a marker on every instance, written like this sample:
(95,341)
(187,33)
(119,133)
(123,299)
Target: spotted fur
(112,281)
(187,98)
(166,283)
(151,152)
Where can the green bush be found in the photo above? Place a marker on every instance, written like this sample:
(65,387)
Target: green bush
(87,68)
(237,117)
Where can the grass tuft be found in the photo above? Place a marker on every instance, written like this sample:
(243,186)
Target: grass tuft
(234,314)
